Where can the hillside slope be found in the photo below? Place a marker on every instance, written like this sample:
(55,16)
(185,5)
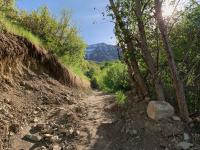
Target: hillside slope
(34,86)
(18,54)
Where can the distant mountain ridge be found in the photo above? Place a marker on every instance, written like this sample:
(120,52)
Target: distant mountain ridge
(102,52)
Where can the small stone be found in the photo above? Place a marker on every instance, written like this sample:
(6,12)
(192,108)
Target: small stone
(147,99)
(35,112)
(48,135)
(14,128)
(33,137)
(77,132)
(10,116)
(38,109)
(133,132)
(62,131)
(43,148)
(186,137)
(40,126)
(184,145)
(176,118)
(7,101)
(54,139)
(192,125)
(35,120)
(71,130)
(157,110)
(56,147)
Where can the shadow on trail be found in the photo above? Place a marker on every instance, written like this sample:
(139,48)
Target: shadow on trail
(108,137)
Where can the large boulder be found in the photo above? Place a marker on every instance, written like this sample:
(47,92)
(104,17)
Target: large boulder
(159,109)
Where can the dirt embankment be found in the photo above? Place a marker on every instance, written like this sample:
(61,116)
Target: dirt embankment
(37,91)
(18,54)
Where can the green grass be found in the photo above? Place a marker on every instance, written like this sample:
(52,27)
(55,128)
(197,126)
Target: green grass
(20,31)
(77,71)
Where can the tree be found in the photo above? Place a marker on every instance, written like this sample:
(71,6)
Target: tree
(128,44)
(146,52)
(178,85)
(131,39)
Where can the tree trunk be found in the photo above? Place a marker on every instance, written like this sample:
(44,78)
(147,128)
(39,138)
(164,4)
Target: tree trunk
(147,54)
(127,39)
(139,92)
(136,74)
(178,85)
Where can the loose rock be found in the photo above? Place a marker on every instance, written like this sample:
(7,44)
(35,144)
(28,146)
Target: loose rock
(56,147)
(176,118)
(186,137)
(184,145)
(54,139)
(159,109)
(34,138)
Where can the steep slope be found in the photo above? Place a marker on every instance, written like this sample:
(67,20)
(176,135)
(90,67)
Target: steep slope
(36,89)
(102,52)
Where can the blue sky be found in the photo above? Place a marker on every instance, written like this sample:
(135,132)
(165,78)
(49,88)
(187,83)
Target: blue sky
(89,21)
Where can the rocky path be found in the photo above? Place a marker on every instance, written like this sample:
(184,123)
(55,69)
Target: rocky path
(78,129)
(94,122)
(97,116)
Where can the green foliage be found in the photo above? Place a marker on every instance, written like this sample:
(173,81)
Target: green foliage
(8,26)
(109,76)
(40,27)
(120,98)
(185,39)
(60,37)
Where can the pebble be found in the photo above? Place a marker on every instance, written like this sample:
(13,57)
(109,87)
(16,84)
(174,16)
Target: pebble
(186,137)
(147,99)
(48,135)
(176,118)
(35,120)
(6,100)
(184,145)
(134,132)
(54,139)
(41,126)
(14,128)
(35,112)
(56,147)
(35,137)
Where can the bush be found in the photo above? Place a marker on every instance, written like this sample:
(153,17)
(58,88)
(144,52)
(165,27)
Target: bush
(120,98)
(114,77)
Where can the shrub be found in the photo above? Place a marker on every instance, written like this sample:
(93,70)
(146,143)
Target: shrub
(114,77)
(120,98)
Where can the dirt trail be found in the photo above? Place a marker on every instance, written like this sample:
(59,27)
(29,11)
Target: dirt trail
(96,104)
(94,115)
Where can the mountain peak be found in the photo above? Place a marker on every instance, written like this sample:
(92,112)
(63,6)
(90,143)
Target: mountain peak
(101,52)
